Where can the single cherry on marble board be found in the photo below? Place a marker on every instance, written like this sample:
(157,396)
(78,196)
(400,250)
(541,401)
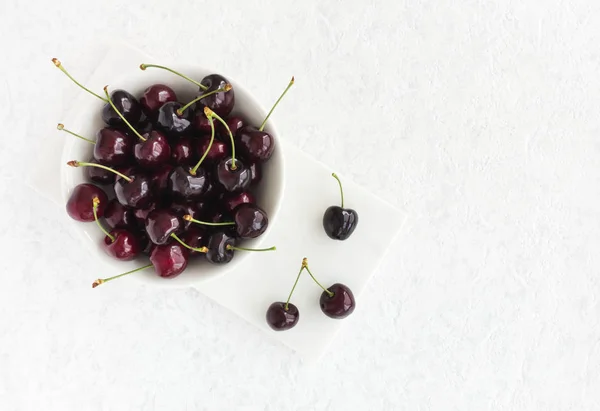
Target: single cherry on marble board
(80,203)
(282,316)
(338,222)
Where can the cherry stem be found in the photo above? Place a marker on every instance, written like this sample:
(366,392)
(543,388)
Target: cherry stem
(58,64)
(75,163)
(305,265)
(208,112)
(121,115)
(180,241)
(105,280)
(188,217)
(230,247)
(262,126)
(212,138)
(96,203)
(182,109)
(334,175)
(145,66)
(61,127)
(287,303)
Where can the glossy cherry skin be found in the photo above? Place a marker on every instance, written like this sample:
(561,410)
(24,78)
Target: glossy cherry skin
(125,247)
(201,123)
(234,123)
(99,175)
(117,215)
(155,96)
(195,237)
(113,147)
(154,151)
(172,123)
(213,189)
(141,214)
(80,204)
(254,145)
(218,150)
(217,248)
(280,319)
(339,223)
(183,152)
(182,209)
(169,260)
(255,173)
(232,200)
(232,180)
(160,224)
(160,179)
(137,193)
(127,105)
(186,187)
(341,305)
(221,103)
(250,220)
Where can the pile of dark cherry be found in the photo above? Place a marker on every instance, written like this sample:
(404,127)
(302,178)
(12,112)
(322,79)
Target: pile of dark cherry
(184,180)
(182,177)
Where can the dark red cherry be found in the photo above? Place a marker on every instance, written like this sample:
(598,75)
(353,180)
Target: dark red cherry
(127,105)
(160,224)
(186,187)
(217,248)
(172,123)
(218,150)
(254,145)
(213,188)
(99,175)
(232,200)
(117,215)
(155,96)
(169,260)
(136,193)
(250,221)
(202,123)
(80,204)
(183,153)
(160,179)
(339,223)
(234,123)
(232,180)
(113,147)
(341,304)
(154,151)
(125,247)
(141,214)
(221,103)
(256,173)
(195,237)
(182,209)
(280,319)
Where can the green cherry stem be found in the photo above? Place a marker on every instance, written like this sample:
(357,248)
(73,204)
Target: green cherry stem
(58,64)
(262,126)
(96,203)
(182,109)
(121,115)
(75,163)
(305,265)
(61,127)
(209,113)
(188,217)
(334,175)
(180,241)
(287,303)
(105,280)
(230,247)
(145,66)
(212,138)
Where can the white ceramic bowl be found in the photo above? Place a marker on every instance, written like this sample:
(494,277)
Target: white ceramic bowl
(86,120)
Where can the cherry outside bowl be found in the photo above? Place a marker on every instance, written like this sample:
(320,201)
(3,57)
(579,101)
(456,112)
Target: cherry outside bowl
(86,120)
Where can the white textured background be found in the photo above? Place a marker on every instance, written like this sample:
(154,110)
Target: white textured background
(480,118)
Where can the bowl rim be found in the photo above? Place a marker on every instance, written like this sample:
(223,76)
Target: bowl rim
(67,179)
